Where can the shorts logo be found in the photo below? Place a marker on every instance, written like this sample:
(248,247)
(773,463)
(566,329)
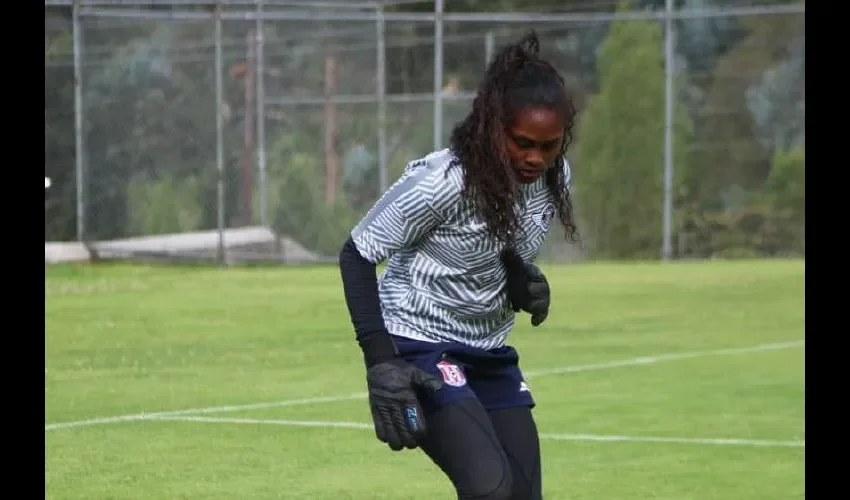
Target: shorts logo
(452,374)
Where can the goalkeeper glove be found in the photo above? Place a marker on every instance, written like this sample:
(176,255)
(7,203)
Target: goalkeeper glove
(392,384)
(528,289)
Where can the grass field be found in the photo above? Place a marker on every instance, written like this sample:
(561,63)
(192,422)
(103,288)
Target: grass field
(653,381)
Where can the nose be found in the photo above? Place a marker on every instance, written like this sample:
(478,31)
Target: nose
(534,159)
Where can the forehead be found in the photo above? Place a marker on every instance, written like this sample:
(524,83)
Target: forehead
(537,122)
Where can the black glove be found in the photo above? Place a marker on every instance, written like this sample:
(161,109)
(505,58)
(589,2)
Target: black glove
(528,289)
(396,411)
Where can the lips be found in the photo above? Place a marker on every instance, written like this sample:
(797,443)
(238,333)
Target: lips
(529,174)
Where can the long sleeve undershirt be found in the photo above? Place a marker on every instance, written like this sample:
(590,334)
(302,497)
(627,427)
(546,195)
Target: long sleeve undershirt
(360,283)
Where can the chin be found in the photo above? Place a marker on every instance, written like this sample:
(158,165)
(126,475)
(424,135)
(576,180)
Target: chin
(527,180)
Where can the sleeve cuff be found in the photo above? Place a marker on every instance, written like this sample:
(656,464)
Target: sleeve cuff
(377,348)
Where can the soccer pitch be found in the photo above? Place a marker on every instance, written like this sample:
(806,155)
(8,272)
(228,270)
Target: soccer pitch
(671,381)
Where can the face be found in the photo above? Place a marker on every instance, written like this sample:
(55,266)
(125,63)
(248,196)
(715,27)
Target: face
(534,140)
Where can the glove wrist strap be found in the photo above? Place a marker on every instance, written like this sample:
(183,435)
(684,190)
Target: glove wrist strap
(377,348)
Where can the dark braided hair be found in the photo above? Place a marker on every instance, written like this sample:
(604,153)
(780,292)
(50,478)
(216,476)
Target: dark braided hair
(516,78)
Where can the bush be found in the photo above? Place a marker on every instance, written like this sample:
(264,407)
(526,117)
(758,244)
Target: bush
(163,205)
(300,210)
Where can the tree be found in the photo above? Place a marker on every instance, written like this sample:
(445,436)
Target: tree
(786,191)
(731,153)
(778,102)
(60,200)
(618,178)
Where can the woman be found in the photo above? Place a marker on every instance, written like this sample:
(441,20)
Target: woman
(459,230)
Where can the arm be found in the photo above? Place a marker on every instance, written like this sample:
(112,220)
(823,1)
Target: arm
(527,286)
(360,285)
(408,210)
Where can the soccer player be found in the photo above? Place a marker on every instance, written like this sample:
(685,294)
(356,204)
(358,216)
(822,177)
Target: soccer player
(459,231)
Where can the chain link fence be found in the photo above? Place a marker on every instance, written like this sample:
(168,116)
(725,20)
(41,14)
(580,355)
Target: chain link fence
(265,132)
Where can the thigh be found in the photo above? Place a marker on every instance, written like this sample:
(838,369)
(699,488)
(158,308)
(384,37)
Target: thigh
(518,436)
(462,441)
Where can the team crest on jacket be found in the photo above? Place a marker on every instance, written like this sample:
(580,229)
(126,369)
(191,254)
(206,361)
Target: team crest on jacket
(544,217)
(452,374)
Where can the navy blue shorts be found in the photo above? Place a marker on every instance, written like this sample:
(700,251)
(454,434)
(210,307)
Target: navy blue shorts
(492,376)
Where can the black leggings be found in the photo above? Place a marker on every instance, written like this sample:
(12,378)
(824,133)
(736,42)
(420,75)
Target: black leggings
(488,455)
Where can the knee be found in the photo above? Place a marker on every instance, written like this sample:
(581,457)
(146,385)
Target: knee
(490,487)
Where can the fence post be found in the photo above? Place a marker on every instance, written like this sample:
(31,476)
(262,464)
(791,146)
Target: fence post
(261,114)
(489,48)
(669,61)
(438,74)
(381,80)
(219,135)
(79,143)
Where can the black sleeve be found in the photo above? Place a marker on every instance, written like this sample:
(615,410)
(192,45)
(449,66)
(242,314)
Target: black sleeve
(360,285)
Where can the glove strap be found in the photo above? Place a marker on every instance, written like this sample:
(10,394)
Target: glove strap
(377,348)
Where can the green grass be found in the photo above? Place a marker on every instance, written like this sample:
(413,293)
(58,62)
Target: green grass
(123,340)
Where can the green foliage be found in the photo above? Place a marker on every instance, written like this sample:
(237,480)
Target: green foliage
(786,188)
(745,232)
(787,181)
(164,205)
(58,45)
(297,201)
(754,109)
(770,221)
(60,200)
(740,96)
(620,157)
(778,101)
(147,113)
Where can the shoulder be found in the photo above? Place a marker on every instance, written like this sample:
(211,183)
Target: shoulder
(435,165)
(439,174)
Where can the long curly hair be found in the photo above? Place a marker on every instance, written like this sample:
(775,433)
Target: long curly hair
(516,78)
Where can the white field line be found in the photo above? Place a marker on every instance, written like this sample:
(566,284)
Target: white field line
(260,421)
(558,437)
(195,411)
(648,360)
(644,360)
